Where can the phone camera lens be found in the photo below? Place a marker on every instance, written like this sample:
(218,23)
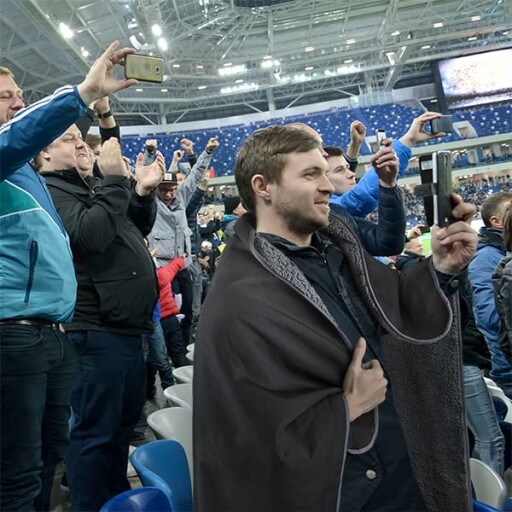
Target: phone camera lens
(157,69)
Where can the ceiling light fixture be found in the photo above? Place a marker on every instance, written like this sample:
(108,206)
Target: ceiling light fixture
(309,48)
(162,44)
(351,41)
(439,24)
(395,33)
(475,18)
(65,31)
(156,30)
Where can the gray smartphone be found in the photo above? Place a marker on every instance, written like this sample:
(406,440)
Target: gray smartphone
(437,169)
(144,68)
(443,124)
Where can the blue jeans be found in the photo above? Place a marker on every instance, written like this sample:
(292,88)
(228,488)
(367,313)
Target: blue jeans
(158,358)
(176,345)
(106,403)
(38,368)
(482,420)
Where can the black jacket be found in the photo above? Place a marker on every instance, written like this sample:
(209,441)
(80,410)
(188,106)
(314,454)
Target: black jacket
(407,260)
(106,222)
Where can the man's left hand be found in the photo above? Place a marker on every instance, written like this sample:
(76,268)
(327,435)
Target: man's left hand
(149,176)
(453,246)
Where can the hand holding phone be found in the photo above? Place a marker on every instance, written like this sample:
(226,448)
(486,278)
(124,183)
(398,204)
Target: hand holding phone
(380,136)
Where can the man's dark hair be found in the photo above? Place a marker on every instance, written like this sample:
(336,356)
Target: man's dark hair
(264,152)
(493,206)
(333,151)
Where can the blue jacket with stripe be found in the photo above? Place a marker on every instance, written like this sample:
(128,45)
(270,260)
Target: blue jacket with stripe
(37,278)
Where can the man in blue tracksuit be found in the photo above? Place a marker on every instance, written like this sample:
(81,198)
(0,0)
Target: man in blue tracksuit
(38,288)
(363,198)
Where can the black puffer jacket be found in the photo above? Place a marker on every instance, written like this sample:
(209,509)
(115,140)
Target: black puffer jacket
(106,222)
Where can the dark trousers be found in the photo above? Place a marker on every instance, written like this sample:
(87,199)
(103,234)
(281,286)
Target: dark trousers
(182,283)
(176,345)
(106,405)
(38,368)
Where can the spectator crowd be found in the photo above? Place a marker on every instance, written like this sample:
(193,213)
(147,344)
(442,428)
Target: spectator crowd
(326,339)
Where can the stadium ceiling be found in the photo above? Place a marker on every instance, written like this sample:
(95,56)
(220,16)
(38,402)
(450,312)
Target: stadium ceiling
(230,57)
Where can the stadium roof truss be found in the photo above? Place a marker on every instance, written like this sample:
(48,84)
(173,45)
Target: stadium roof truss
(229,57)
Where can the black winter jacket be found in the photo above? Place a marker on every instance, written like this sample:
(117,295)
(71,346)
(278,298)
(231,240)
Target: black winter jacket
(106,222)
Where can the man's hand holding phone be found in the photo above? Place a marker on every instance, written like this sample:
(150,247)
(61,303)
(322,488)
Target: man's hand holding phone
(417,131)
(100,80)
(385,162)
(453,246)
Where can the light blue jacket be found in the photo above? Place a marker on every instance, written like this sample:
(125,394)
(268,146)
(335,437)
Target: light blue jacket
(364,197)
(37,278)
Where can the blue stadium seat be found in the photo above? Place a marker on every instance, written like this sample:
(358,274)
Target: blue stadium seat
(146,499)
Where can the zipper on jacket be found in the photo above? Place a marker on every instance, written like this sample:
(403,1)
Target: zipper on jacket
(32,259)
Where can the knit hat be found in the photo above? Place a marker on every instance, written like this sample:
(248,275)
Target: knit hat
(230,204)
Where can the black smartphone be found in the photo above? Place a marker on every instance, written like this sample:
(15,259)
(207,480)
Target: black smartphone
(380,136)
(436,169)
(442,124)
(424,229)
(144,68)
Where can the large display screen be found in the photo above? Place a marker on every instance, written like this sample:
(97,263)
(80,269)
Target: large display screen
(476,79)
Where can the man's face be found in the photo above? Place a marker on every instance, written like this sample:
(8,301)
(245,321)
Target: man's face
(300,201)
(63,153)
(340,175)
(415,246)
(10,98)
(167,192)
(84,159)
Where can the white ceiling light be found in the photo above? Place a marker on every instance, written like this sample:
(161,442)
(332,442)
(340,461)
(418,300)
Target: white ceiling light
(472,38)
(164,90)
(85,53)
(239,88)
(156,30)
(65,31)
(475,18)
(309,48)
(309,68)
(201,87)
(139,90)
(175,65)
(351,41)
(425,47)
(162,44)
(199,66)
(348,61)
(233,70)
(395,33)
(438,24)
(267,64)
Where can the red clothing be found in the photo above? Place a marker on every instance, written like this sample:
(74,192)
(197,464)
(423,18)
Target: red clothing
(165,275)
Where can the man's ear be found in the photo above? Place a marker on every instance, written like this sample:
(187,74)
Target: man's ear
(260,187)
(45,154)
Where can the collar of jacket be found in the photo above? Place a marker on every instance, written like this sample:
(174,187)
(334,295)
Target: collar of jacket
(73,177)
(491,236)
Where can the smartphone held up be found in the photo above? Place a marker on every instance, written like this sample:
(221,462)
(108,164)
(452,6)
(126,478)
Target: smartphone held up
(436,187)
(144,68)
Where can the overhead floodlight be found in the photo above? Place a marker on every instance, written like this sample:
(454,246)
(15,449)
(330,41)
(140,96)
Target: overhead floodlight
(139,90)
(85,53)
(351,41)
(175,65)
(239,88)
(348,61)
(267,64)
(396,33)
(309,48)
(425,47)
(233,70)
(472,38)
(391,57)
(162,44)
(266,57)
(308,68)
(200,66)
(439,24)
(164,90)
(201,87)
(475,18)
(156,30)
(65,31)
